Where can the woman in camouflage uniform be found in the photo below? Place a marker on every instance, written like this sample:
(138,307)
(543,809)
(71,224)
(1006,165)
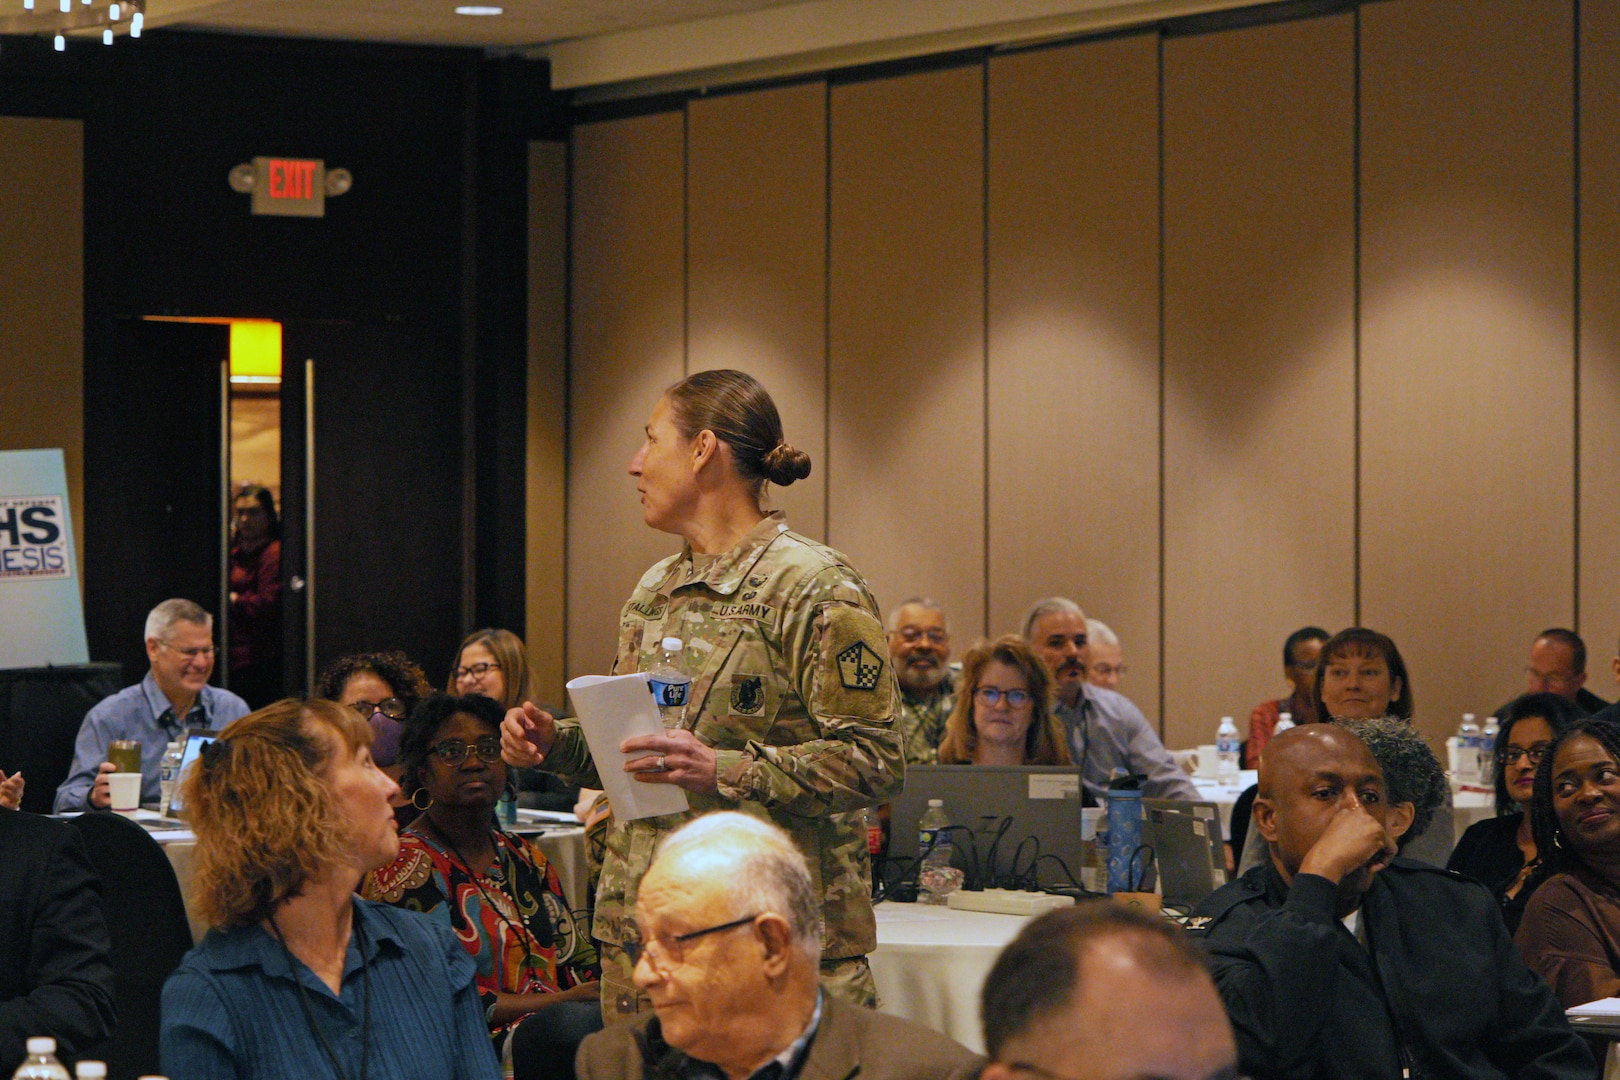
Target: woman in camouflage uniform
(792,704)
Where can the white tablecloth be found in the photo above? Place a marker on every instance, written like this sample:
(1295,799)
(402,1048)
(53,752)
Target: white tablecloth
(1224,795)
(931,961)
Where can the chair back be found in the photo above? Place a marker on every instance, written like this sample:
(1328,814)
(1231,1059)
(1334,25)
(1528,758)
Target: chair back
(40,713)
(146,920)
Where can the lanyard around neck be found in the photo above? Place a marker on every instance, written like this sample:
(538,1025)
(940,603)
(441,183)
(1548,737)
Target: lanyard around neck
(309,1011)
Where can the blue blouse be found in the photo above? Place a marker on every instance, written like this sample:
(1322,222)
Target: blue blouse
(231,1009)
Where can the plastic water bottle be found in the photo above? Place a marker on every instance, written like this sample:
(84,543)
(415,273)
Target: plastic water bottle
(1468,750)
(169,775)
(41,1063)
(1487,751)
(932,839)
(1227,746)
(1284,722)
(669,683)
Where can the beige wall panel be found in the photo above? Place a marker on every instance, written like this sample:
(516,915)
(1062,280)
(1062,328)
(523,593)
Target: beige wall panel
(546,489)
(627,327)
(1259,457)
(757,261)
(906,338)
(42,295)
(1074,340)
(1467,391)
(1600,341)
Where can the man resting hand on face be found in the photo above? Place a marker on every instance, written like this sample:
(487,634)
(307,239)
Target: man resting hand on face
(1338,959)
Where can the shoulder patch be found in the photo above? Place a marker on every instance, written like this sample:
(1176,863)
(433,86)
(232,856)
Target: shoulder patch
(859,667)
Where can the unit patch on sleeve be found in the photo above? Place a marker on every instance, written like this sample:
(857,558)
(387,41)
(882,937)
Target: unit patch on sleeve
(747,695)
(859,667)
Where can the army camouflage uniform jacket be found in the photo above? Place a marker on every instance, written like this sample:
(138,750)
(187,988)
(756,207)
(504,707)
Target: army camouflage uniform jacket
(922,719)
(792,687)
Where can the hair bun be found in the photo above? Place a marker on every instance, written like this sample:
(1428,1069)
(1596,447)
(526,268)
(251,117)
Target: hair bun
(786,464)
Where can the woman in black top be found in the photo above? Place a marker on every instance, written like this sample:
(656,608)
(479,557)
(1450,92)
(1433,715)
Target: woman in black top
(1499,852)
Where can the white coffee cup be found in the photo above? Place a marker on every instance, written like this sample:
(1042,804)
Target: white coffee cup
(125,789)
(1209,762)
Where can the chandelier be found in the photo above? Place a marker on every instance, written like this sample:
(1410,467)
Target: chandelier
(77,17)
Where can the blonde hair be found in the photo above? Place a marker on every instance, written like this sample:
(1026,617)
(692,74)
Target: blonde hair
(259,803)
(507,649)
(1043,742)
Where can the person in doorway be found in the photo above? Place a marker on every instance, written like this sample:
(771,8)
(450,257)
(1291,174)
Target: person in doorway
(255,610)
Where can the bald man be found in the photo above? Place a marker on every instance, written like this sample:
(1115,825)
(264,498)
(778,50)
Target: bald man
(1444,996)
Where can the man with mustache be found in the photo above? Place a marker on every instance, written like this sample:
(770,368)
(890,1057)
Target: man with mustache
(920,646)
(1106,730)
(1336,959)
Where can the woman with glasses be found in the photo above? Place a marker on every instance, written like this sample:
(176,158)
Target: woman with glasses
(1003,713)
(1500,852)
(383,687)
(491,662)
(495,891)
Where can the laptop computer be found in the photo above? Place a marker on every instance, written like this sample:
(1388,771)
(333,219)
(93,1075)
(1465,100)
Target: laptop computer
(196,739)
(1187,848)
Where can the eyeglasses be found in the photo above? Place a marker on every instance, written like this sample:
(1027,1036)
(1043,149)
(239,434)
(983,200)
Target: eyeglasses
(474,671)
(392,707)
(1016,699)
(911,635)
(1533,754)
(672,950)
(1109,670)
(488,749)
(1550,679)
(202,652)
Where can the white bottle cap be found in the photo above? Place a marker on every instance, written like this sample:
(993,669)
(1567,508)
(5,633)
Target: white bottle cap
(672,644)
(42,1044)
(1467,716)
(174,746)
(90,1070)
(936,802)
(1285,716)
(1226,720)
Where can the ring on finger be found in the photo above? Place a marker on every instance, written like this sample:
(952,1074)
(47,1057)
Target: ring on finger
(661,767)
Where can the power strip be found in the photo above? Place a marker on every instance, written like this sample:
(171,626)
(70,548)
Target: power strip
(1007,901)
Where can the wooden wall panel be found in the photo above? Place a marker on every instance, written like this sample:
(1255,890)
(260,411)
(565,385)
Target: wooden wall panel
(546,463)
(756,270)
(1073,235)
(627,347)
(1467,376)
(905,448)
(42,295)
(1259,454)
(1600,342)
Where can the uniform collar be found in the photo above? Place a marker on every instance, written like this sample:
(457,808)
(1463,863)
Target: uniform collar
(725,574)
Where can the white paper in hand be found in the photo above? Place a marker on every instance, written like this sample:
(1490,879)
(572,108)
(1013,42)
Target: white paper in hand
(611,709)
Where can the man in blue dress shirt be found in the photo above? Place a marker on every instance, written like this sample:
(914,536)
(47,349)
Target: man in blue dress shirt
(174,696)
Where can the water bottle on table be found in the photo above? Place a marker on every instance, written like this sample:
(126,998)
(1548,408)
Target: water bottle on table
(1467,766)
(169,775)
(41,1062)
(1284,722)
(669,683)
(1227,747)
(936,879)
(1487,751)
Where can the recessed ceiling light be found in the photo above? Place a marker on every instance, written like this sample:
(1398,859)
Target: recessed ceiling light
(479,9)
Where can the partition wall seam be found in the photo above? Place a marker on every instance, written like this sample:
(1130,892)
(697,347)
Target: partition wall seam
(984,231)
(826,310)
(567,381)
(1163,589)
(686,239)
(469,347)
(1355,317)
(1575,284)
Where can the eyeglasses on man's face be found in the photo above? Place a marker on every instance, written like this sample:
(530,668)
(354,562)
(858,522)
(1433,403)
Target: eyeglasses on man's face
(911,635)
(453,753)
(474,671)
(990,695)
(665,954)
(201,652)
(1507,755)
(1108,671)
(392,707)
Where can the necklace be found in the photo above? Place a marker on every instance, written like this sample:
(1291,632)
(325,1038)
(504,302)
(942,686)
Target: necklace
(309,1011)
(523,934)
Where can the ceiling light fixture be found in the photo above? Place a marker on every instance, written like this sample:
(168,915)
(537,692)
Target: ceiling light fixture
(110,17)
(479,9)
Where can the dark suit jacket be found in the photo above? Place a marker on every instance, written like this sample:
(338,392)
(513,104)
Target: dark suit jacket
(850,1041)
(55,975)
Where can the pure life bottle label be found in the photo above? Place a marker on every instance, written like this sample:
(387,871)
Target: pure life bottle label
(668,683)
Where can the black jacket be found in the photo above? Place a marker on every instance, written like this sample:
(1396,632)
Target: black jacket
(55,976)
(1438,988)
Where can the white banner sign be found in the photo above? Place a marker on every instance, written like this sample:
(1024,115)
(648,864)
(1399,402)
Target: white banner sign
(41,616)
(34,542)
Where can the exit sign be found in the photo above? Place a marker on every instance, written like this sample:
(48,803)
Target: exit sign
(289,187)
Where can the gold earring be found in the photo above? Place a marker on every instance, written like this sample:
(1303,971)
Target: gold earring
(419,806)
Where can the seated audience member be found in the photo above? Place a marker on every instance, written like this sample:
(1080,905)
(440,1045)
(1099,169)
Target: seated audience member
(492,662)
(1500,852)
(1300,653)
(1003,715)
(1557,665)
(56,978)
(729,945)
(920,647)
(11,790)
(300,977)
(1102,992)
(494,891)
(1104,730)
(156,711)
(255,611)
(1570,933)
(1336,959)
(1105,664)
(384,688)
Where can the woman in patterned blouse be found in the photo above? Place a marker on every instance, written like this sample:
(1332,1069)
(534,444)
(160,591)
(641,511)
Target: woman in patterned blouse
(495,891)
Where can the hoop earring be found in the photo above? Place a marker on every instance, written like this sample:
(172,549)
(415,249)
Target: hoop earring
(418,805)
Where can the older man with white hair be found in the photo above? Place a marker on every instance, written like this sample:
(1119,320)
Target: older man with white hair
(1106,730)
(729,953)
(156,711)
